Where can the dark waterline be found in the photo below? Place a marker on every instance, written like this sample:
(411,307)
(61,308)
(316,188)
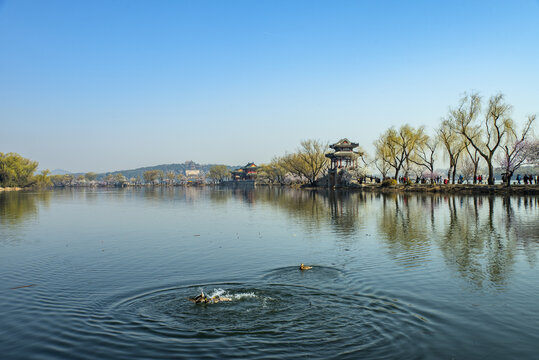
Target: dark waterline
(91,274)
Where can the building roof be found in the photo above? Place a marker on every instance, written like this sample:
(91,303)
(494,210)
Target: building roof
(250,166)
(343,155)
(344,143)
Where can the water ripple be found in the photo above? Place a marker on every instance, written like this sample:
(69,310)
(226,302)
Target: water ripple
(284,316)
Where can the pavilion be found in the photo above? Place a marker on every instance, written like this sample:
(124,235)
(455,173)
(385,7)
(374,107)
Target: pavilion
(248,172)
(342,157)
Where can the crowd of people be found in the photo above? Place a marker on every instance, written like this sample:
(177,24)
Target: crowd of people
(527,179)
(437,180)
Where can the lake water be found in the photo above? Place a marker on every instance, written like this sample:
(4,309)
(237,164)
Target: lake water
(105,274)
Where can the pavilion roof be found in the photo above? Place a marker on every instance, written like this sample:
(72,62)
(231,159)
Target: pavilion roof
(250,166)
(344,143)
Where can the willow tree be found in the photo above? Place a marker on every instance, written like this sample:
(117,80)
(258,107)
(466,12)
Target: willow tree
(487,135)
(361,169)
(452,142)
(396,147)
(161,176)
(425,155)
(119,178)
(293,165)
(474,158)
(274,172)
(379,163)
(218,173)
(109,179)
(180,178)
(309,160)
(151,176)
(170,176)
(16,170)
(90,176)
(43,179)
(517,149)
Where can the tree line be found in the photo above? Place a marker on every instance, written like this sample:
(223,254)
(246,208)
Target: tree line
(474,133)
(470,135)
(17,171)
(116,179)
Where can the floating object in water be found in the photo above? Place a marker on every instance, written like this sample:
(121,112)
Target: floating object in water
(305,267)
(203,299)
(216,299)
(199,298)
(24,286)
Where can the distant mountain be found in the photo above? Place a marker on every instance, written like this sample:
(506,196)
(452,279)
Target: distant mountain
(176,168)
(60,172)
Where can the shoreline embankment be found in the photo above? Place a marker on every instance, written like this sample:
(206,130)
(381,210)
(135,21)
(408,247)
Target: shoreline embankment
(465,189)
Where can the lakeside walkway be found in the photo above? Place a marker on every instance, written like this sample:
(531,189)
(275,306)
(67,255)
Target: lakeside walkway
(480,189)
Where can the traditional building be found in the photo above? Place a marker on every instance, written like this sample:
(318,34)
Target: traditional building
(343,157)
(248,172)
(192,174)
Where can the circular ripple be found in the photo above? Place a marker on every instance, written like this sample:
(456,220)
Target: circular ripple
(291,320)
(318,274)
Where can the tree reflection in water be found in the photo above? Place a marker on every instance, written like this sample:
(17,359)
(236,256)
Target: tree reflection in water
(478,236)
(15,209)
(404,226)
(473,245)
(315,209)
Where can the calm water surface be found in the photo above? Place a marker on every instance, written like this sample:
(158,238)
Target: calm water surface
(104,274)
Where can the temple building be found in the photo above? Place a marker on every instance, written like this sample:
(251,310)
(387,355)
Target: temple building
(248,172)
(343,157)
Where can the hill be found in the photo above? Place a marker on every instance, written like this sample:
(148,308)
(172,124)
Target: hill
(176,168)
(60,172)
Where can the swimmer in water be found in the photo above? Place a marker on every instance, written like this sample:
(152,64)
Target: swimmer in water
(305,267)
(203,299)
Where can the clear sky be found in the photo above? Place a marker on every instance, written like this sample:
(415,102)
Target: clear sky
(108,85)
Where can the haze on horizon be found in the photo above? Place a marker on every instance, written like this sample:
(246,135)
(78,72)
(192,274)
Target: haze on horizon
(109,85)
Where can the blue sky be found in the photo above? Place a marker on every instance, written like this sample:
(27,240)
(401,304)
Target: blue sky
(108,85)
